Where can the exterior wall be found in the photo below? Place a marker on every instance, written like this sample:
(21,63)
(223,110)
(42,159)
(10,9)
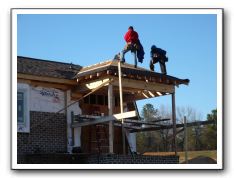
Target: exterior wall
(54,134)
(39,99)
(46,99)
(48,137)
(46,131)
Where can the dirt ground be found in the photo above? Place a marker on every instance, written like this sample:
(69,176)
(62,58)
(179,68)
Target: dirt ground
(201,160)
(194,157)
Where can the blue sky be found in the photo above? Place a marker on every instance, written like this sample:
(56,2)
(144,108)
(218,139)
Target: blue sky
(189,39)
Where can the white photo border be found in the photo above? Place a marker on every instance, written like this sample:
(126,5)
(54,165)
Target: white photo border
(220,145)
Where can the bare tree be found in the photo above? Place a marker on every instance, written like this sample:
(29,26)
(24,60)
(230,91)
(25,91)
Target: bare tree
(194,133)
(165,134)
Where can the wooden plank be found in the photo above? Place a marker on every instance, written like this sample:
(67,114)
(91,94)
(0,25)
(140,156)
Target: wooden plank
(121,104)
(185,140)
(93,69)
(125,115)
(46,79)
(141,122)
(142,85)
(154,128)
(93,121)
(111,123)
(160,120)
(174,122)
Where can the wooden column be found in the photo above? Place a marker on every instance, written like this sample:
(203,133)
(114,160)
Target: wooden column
(174,122)
(121,104)
(111,124)
(67,99)
(185,141)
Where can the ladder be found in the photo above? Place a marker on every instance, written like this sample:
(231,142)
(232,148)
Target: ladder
(101,138)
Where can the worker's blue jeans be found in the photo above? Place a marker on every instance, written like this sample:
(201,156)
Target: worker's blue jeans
(128,47)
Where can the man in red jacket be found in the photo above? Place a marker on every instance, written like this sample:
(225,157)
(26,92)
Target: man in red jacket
(131,38)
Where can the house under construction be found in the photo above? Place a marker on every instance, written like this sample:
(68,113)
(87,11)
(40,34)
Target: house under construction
(66,108)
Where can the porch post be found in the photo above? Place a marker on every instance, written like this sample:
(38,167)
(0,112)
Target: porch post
(174,122)
(70,130)
(185,140)
(111,124)
(121,105)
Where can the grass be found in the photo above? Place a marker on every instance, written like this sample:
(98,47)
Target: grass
(191,154)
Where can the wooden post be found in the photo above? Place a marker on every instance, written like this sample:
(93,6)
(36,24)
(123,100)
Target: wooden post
(72,121)
(121,104)
(111,125)
(67,99)
(174,122)
(185,141)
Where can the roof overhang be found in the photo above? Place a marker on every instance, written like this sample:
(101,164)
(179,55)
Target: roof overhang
(137,83)
(34,80)
(110,68)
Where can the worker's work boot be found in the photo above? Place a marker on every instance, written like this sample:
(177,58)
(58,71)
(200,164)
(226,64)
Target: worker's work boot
(122,59)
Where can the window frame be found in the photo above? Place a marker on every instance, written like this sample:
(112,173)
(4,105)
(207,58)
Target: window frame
(23,103)
(24,127)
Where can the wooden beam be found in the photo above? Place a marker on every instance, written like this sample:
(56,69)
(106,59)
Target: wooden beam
(93,121)
(125,115)
(111,123)
(121,104)
(141,122)
(185,140)
(128,85)
(142,85)
(46,79)
(162,127)
(174,121)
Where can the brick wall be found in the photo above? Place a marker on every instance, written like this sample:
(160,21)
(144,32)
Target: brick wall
(49,137)
(135,159)
(99,159)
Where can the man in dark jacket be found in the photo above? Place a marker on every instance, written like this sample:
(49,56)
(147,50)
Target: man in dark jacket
(133,45)
(158,55)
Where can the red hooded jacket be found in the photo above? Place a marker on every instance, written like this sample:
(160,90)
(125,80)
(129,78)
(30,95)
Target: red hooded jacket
(131,36)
